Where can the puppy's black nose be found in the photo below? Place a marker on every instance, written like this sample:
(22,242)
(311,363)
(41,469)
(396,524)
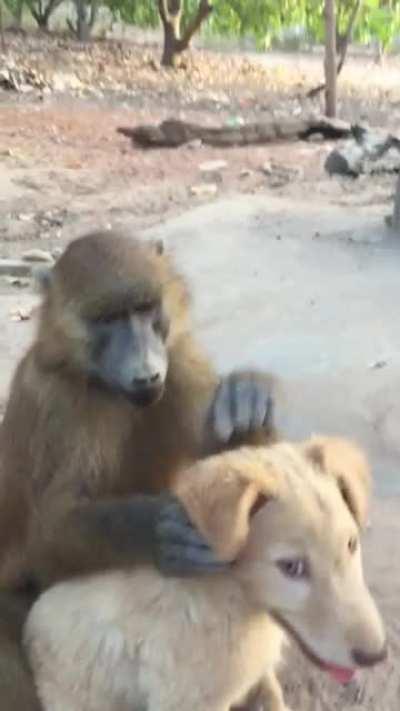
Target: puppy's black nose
(368,659)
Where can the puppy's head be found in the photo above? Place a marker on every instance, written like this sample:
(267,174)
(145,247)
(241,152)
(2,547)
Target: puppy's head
(291,516)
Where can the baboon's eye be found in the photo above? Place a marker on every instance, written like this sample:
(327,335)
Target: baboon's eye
(161,323)
(295,568)
(146,307)
(109,317)
(352,545)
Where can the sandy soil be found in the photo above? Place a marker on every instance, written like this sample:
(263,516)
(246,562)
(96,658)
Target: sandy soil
(309,254)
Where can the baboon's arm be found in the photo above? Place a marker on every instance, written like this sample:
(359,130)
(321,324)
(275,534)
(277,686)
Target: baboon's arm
(120,533)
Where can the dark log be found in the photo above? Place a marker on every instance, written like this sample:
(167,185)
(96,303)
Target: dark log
(174,133)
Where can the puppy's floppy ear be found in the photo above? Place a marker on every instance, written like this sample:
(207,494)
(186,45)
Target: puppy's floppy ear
(222,493)
(346,462)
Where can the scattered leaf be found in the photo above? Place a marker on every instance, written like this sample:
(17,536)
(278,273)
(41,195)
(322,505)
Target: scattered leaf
(204,189)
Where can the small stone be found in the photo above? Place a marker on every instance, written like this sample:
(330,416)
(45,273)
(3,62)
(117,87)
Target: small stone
(267,168)
(22,313)
(62,81)
(37,255)
(278,181)
(210,166)
(196,143)
(50,218)
(25,216)
(345,161)
(204,189)
(17,281)
(316,138)
(245,173)
(378,364)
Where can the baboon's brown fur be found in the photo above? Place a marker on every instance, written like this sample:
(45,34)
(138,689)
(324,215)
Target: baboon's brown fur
(64,445)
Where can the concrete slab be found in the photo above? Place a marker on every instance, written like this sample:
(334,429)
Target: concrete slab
(309,292)
(312,294)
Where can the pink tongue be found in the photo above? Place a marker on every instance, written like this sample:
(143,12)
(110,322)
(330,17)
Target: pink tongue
(341,675)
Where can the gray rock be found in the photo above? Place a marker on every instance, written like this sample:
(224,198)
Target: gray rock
(37,255)
(15,267)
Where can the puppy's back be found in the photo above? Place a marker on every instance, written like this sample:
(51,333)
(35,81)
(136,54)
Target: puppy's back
(126,637)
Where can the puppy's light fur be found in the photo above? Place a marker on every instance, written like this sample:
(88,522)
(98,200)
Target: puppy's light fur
(135,641)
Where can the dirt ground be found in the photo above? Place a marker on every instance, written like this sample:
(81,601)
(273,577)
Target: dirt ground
(290,270)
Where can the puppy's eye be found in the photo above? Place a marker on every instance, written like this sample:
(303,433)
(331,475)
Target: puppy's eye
(295,568)
(352,545)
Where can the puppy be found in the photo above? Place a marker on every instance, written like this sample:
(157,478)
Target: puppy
(290,518)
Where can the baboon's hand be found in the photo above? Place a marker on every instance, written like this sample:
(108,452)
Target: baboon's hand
(179,549)
(243,405)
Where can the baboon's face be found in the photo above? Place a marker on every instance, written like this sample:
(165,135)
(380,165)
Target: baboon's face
(128,353)
(113,309)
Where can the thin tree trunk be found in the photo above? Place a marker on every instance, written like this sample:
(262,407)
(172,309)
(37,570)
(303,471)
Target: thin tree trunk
(94,8)
(394,220)
(43,13)
(330,59)
(18,14)
(2,37)
(82,27)
(342,46)
(175,41)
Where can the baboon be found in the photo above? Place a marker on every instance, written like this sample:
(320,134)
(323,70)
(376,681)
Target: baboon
(110,401)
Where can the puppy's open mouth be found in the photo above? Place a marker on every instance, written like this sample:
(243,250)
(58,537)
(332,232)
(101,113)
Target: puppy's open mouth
(342,675)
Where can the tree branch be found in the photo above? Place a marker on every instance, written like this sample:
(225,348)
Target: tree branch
(205,8)
(94,7)
(53,4)
(2,37)
(163,10)
(169,10)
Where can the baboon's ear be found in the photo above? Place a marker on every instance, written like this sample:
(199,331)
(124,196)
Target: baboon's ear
(43,277)
(220,496)
(346,462)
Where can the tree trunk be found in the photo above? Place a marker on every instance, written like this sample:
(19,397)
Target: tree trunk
(330,58)
(82,26)
(394,219)
(94,8)
(18,14)
(42,14)
(171,42)
(342,45)
(175,41)
(2,38)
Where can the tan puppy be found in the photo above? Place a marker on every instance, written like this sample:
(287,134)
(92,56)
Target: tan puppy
(135,641)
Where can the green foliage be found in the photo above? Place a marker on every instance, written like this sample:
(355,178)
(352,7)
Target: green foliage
(379,21)
(143,13)
(262,19)
(12,6)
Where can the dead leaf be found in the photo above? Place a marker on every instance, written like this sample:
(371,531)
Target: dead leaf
(23,313)
(211,166)
(204,189)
